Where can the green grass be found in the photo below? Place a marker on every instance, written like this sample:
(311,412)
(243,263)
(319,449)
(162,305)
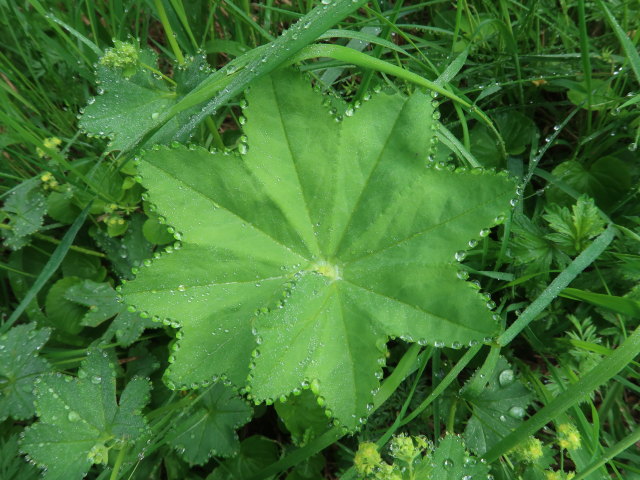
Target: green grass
(547,90)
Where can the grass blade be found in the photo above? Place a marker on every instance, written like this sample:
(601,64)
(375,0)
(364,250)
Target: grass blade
(50,268)
(628,47)
(599,375)
(582,261)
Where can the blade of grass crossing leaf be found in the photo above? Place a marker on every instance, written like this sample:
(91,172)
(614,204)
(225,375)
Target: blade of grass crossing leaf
(599,375)
(628,47)
(302,33)
(582,261)
(360,59)
(450,140)
(49,269)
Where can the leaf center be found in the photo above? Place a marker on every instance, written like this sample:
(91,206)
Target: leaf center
(327,269)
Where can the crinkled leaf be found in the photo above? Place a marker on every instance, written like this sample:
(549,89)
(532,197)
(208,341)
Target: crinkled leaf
(337,232)
(256,453)
(209,427)
(131,104)
(497,410)
(19,367)
(25,207)
(79,418)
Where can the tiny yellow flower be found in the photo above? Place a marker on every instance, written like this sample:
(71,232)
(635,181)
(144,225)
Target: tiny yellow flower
(529,451)
(568,437)
(52,142)
(402,448)
(46,177)
(367,458)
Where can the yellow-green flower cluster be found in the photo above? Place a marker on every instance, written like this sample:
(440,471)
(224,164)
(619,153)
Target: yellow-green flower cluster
(367,459)
(122,55)
(529,451)
(568,437)
(559,475)
(49,182)
(50,143)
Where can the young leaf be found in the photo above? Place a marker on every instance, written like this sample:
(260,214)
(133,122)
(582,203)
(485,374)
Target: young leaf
(19,367)
(25,207)
(302,256)
(80,420)
(209,429)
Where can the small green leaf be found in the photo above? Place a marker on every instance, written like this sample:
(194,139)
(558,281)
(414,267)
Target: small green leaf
(64,314)
(99,298)
(132,101)
(497,410)
(209,427)
(80,420)
(607,180)
(25,206)
(128,251)
(306,253)
(451,461)
(303,417)
(19,367)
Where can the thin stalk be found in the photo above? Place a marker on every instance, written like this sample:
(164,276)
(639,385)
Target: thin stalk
(171,36)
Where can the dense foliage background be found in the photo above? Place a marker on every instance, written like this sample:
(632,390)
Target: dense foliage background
(555,395)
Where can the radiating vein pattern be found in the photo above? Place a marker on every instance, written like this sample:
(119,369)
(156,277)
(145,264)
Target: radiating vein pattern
(301,256)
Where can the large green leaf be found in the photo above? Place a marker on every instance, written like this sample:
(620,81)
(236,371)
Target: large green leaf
(322,239)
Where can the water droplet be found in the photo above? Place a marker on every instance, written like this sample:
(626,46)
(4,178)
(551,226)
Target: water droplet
(472,243)
(447,464)
(181,288)
(243,148)
(462,275)
(506,377)
(516,412)
(96,379)
(484,232)
(460,255)
(73,416)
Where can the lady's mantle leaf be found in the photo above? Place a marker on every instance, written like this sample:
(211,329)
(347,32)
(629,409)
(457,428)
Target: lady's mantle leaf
(80,419)
(303,255)
(209,429)
(19,367)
